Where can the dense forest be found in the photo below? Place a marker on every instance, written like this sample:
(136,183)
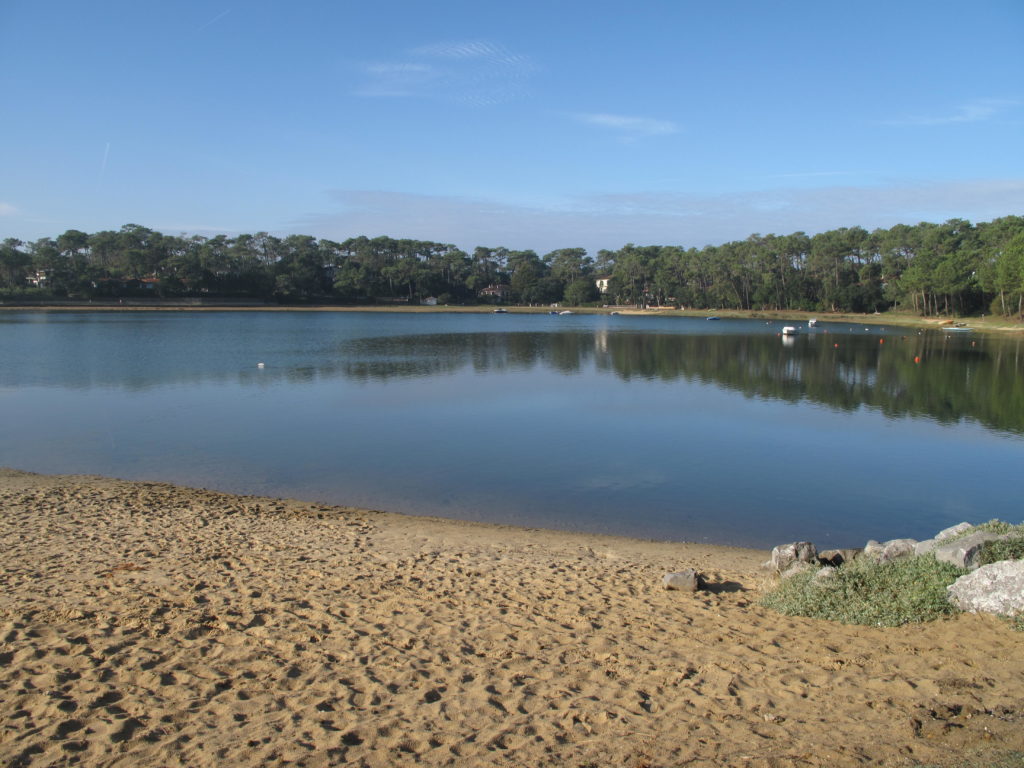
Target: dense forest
(952,268)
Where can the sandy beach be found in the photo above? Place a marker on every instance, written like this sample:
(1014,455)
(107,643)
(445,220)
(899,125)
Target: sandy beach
(143,624)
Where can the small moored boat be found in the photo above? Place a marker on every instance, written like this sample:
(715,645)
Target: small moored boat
(790,330)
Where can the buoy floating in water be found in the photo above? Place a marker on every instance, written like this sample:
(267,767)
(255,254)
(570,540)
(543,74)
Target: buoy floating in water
(917,359)
(260,365)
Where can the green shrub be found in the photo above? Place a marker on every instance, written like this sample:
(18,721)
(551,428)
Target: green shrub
(889,594)
(1007,549)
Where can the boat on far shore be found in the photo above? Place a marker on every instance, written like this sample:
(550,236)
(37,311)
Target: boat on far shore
(812,323)
(790,330)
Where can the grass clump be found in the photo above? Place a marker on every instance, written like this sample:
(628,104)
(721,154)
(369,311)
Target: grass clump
(889,594)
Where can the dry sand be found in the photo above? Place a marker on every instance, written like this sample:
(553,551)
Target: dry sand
(149,625)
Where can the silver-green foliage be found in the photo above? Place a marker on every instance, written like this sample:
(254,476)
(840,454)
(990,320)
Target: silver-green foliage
(1010,548)
(866,592)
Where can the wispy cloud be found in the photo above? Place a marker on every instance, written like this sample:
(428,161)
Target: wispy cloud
(610,221)
(813,174)
(479,72)
(6,209)
(976,111)
(214,20)
(629,127)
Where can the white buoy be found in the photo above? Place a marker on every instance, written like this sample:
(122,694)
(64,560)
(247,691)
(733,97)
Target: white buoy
(260,365)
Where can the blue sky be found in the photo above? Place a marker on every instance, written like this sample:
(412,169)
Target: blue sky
(525,124)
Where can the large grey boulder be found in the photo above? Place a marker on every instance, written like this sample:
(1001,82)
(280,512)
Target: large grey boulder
(836,557)
(897,549)
(872,549)
(928,545)
(894,549)
(953,530)
(964,552)
(686,581)
(785,555)
(995,588)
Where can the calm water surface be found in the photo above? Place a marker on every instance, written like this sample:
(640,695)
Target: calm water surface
(670,428)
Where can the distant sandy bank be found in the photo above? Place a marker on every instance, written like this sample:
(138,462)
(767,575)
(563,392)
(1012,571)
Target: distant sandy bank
(986,324)
(143,624)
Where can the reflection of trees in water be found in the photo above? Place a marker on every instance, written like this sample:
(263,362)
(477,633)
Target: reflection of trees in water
(953,380)
(404,356)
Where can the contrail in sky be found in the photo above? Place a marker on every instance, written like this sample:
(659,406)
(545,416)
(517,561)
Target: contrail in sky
(214,20)
(103,166)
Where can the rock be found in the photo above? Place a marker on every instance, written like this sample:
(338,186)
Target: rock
(686,581)
(837,557)
(897,549)
(894,549)
(797,566)
(995,588)
(785,555)
(825,574)
(926,546)
(953,530)
(872,549)
(929,545)
(964,552)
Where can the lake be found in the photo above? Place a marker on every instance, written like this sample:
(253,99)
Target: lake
(653,427)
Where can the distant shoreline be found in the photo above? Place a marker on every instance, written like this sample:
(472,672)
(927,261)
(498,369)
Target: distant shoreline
(986,323)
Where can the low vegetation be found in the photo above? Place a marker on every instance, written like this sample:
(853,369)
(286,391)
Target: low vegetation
(904,591)
(866,592)
(1010,548)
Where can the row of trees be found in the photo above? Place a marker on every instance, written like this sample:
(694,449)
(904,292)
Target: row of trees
(950,268)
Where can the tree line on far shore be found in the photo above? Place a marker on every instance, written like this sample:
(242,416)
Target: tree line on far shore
(951,268)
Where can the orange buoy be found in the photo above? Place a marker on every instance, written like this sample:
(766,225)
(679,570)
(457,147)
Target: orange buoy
(836,346)
(917,359)
(881,341)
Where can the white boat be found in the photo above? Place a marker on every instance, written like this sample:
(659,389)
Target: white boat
(566,312)
(500,310)
(812,323)
(958,329)
(790,330)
